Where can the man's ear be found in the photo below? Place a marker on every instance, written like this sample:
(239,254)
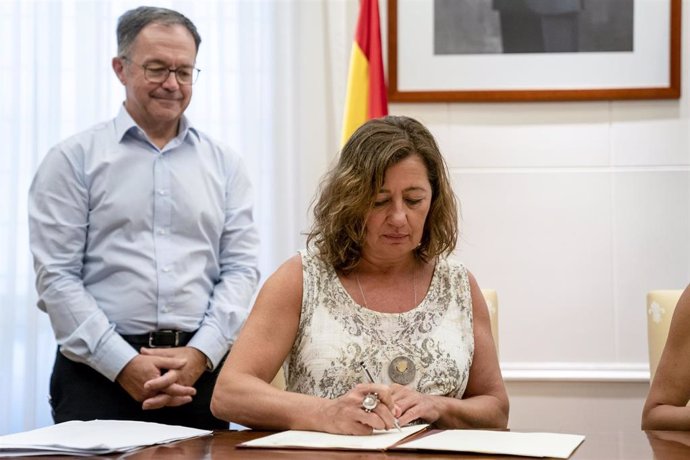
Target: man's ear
(119,69)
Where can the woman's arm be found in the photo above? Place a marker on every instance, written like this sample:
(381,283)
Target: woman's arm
(243,393)
(485,402)
(665,408)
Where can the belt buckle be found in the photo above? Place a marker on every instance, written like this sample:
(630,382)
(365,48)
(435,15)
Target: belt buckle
(169,336)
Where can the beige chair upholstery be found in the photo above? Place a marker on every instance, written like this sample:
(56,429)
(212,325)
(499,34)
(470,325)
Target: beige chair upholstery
(660,306)
(491,298)
(279,379)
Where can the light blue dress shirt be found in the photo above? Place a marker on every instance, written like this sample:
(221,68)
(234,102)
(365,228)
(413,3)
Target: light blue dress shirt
(128,239)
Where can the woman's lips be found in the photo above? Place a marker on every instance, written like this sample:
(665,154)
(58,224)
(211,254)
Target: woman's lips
(395,237)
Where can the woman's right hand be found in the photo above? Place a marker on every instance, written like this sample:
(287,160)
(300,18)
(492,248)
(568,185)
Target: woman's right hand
(346,414)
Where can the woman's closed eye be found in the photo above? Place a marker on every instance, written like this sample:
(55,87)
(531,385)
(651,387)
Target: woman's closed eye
(379,203)
(408,201)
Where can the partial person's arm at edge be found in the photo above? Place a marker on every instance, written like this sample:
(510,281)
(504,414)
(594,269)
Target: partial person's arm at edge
(666,406)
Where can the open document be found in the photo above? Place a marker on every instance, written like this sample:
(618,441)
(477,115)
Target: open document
(498,442)
(477,441)
(296,439)
(96,437)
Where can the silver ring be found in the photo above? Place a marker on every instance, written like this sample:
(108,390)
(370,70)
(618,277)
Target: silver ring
(370,401)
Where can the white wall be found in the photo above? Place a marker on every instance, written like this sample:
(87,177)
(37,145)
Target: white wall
(572,211)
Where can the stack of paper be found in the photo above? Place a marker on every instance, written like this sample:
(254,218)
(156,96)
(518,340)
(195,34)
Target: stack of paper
(96,437)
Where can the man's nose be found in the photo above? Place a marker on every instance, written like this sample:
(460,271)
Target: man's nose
(171,82)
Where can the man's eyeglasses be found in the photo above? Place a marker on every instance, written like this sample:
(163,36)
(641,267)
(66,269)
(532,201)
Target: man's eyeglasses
(155,73)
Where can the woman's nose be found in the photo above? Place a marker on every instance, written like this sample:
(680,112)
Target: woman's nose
(397,216)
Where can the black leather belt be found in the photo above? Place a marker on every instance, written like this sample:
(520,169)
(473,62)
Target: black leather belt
(164,338)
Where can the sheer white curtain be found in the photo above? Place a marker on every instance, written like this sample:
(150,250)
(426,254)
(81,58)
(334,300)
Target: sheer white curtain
(267,89)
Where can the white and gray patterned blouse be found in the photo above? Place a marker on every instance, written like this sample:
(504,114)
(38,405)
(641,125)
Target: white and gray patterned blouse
(433,343)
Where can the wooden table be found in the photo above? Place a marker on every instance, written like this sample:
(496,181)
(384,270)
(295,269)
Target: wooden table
(614,445)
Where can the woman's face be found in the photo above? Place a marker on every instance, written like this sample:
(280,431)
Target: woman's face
(395,225)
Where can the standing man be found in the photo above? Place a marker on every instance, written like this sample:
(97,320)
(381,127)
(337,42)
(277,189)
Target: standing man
(144,243)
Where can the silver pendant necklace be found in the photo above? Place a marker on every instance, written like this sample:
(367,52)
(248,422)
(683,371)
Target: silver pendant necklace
(401,369)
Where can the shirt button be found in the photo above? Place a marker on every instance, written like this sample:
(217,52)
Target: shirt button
(164,308)
(166,269)
(161,231)
(161,192)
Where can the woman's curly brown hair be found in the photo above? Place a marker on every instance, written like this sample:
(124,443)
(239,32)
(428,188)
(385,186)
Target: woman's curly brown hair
(347,192)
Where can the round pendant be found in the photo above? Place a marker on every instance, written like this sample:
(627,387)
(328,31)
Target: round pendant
(401,370)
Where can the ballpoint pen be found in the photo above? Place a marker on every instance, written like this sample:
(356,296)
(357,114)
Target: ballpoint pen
(371,380)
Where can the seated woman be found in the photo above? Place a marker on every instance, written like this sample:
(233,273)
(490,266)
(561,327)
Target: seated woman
(375,325)
(666,406)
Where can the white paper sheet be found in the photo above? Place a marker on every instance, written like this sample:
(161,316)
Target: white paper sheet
(379,440)
(499,442)
(95,437)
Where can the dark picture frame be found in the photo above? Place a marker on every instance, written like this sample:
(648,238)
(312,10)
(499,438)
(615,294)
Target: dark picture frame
(414,70)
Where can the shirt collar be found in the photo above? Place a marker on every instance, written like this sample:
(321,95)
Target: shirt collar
(124,124)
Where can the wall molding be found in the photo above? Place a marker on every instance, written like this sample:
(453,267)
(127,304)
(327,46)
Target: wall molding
(568,169)
(575,372)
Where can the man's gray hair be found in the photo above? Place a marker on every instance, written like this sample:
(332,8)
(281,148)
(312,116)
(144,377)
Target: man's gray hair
(131,22)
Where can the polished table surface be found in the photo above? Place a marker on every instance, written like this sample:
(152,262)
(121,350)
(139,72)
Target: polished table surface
(613,445)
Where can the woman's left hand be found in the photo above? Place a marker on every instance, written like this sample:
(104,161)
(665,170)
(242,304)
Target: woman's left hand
(412,405)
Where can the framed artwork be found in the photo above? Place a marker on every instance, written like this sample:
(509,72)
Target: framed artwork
(533,50)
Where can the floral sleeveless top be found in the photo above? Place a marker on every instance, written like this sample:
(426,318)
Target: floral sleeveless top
(428,348)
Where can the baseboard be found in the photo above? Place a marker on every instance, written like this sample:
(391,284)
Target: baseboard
(575,372)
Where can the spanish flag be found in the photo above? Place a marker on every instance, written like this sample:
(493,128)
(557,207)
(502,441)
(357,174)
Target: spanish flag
(366,87)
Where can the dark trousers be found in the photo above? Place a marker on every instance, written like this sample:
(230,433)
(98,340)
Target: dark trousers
(78,392)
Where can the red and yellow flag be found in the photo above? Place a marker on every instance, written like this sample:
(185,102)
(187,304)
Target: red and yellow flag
(366,87)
